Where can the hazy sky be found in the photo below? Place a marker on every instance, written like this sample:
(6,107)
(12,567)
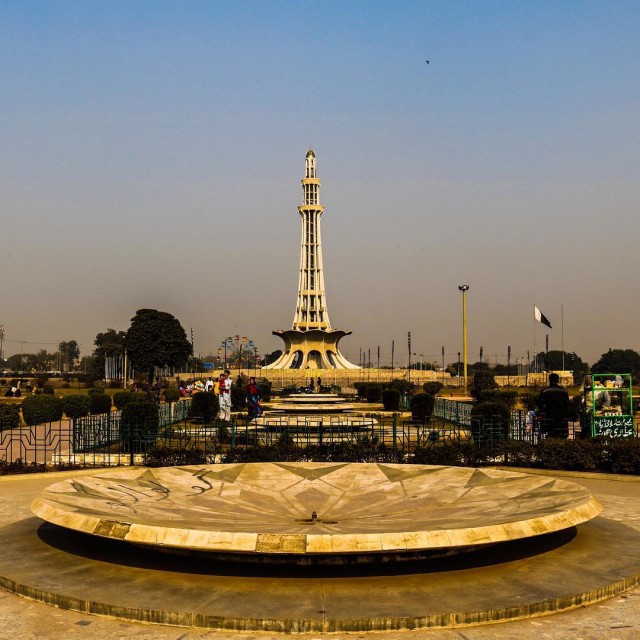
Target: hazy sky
(152,153)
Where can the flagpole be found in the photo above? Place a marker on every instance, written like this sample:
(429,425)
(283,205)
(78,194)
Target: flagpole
(535,358)
(562,332)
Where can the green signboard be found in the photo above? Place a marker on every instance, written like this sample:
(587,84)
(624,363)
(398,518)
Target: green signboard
(610,404)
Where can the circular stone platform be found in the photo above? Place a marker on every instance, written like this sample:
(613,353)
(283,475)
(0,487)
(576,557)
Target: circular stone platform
(316,512)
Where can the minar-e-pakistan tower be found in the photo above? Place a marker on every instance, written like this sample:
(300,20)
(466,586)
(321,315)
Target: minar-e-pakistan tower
(311,343)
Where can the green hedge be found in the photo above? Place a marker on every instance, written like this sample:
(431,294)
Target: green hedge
(100,403)
(139,424)
(171,394)
(238,397)
(490,422)
(156,456)
(391,399)
(373,392)
(507,398)
(204,405)
(621,455)
(264,389)
(422,405)
(432,388)
(76,405)
(38,409)
(9,416)
(122,398)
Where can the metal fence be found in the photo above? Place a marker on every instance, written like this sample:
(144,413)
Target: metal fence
(103,441)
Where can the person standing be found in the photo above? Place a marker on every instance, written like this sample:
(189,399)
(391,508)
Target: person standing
(253,399)
(225,396)
(553,409)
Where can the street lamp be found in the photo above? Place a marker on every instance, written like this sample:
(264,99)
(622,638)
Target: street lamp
(227,342)
(464,288)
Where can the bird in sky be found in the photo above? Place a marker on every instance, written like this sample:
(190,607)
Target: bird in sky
(427,61)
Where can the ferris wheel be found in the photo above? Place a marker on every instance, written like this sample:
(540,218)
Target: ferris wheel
(238,352)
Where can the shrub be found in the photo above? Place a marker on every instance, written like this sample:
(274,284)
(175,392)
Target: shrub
(9,416)
(171,394)
(41,408)
(432,388)
(48,390)
(238,397)
(204,405)
(403,386)
(100,402)
(264,389)
(570,455)
(391,399)
(122,398)
(622,456)
(373,392)
(139,424)
(156,456)
(41,379)
(422,405)
(361,389)
(507,398)
(483,380)
(528,400)
(489,422)
(519,454)
(76,405)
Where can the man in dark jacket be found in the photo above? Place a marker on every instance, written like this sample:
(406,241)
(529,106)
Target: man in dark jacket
(553,409)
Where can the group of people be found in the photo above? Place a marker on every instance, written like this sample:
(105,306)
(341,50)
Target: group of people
(222,388)
(14,391)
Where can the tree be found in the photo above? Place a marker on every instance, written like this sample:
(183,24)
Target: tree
(69,353)
(563,360)
(618,361)
(108,344)
(156,339)
(15,362)
(271,357)
(483,380)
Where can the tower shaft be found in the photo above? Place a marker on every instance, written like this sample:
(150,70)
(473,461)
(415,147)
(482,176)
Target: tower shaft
(311,308)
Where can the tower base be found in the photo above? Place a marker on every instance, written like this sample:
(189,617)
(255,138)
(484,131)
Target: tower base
(313,349)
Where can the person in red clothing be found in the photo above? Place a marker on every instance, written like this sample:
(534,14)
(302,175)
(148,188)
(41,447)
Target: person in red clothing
(253,399)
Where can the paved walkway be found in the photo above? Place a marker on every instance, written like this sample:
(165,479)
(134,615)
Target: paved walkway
(616,619)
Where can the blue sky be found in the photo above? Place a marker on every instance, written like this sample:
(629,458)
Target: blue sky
(152,153)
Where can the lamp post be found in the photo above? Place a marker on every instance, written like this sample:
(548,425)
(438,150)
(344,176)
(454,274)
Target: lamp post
(227,342)
(243,341)
(464,288)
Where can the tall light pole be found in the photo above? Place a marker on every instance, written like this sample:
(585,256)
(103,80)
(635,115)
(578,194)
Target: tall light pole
(464,288)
